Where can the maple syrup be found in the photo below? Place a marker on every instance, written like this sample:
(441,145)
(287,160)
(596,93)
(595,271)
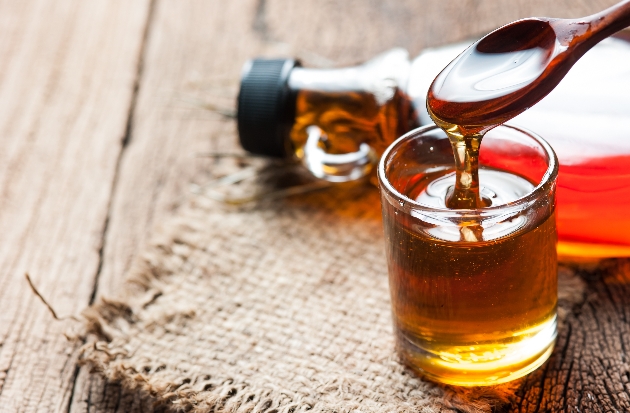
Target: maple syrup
(475,309)
(364,105)
(474,291)
(350,118)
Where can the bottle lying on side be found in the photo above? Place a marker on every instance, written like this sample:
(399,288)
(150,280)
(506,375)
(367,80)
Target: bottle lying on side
(339,121)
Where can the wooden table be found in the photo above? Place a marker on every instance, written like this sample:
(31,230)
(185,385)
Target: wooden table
(105,106)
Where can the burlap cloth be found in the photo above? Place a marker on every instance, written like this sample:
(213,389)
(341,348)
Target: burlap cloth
(282,306)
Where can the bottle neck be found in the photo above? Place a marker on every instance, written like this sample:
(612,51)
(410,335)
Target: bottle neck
(327,80)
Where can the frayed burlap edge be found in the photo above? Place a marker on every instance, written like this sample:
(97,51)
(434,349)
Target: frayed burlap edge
(108,322)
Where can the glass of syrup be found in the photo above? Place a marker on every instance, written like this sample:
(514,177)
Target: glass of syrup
(473,291)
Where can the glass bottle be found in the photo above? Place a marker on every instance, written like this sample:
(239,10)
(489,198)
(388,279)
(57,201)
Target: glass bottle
(339,121)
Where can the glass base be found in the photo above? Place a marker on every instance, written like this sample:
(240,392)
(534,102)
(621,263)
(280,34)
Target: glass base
(483,363)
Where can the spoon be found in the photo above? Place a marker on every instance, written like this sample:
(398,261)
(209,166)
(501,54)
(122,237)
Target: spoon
(515,66)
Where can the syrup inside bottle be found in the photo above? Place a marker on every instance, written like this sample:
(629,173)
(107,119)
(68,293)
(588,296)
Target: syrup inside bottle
(354,106)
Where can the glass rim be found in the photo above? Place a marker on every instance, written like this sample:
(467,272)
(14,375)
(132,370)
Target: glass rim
(550,175)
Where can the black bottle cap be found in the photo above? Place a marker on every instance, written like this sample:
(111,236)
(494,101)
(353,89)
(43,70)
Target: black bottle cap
(266,107)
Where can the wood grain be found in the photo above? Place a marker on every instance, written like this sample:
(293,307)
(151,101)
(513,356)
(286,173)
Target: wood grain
(67,71)
(193,56)
(589,370)
(102,118)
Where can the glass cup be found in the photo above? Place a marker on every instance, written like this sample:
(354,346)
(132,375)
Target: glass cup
(474,291)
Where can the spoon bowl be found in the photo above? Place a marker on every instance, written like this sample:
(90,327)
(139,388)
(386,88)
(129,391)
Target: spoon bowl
(514,67)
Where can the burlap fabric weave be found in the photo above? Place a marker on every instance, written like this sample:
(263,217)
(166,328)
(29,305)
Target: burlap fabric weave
(278,307)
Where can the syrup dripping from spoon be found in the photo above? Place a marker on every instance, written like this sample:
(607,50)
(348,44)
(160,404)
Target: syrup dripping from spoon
(502,75)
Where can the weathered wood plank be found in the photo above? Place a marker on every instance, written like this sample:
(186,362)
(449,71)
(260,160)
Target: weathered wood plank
(590,369)
(355,30)
(194,53)
(67,71)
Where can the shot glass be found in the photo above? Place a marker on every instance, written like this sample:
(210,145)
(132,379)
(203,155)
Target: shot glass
(474,291)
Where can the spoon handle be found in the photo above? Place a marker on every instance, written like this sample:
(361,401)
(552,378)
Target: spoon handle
(611,20)
(599,26)
(580,35)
